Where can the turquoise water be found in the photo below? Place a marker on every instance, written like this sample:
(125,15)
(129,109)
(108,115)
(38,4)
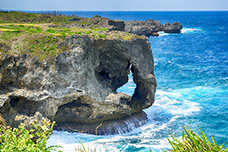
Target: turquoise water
(191,69)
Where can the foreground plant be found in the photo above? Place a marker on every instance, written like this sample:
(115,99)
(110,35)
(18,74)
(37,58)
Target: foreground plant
(192,142)
(20,139)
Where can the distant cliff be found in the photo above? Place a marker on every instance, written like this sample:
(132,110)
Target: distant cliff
(147,28)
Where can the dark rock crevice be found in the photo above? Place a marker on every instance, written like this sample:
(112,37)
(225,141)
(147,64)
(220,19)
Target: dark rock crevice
(23,105)
(73,111)
(16,110)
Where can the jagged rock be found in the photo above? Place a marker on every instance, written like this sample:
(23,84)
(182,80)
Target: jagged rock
(150,27)
(143,28)
(116,25)
(172,28)
(157,24)
(78,86)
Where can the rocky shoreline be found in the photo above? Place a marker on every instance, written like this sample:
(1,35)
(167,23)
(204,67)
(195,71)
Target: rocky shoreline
(110,127)
(147,28)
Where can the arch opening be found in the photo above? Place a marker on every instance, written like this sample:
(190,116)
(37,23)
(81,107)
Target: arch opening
(129,87)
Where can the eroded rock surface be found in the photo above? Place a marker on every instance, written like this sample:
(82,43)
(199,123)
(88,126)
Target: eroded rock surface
(143,28)
(172,28)
(79,86)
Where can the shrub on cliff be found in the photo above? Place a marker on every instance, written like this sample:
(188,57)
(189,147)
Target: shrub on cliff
(21,139)
(192,142)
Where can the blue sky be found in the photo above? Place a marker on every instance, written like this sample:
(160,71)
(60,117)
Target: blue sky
(104,5)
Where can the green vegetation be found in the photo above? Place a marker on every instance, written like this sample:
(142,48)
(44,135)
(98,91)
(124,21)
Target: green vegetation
(101,36)
(88,32)
(83,149)
(41,35)
(50,30)
(23,17)
(192,142)
(20,139)
(84,22)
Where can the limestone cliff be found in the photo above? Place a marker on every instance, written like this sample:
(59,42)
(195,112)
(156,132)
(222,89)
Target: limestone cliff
(78,88)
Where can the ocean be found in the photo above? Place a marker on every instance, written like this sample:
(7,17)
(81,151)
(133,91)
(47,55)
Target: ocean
(191,69)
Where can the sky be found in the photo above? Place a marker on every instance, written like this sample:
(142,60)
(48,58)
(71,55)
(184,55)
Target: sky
(114,5)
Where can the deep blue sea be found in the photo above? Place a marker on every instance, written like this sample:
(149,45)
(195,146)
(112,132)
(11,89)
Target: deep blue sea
(191,69)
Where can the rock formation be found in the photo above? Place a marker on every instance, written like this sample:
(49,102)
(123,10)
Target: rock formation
(99,21)
(172,28)
(143,28)
(78,88)
(151,27)
(146,28)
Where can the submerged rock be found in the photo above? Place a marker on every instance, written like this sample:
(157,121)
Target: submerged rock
(79,86)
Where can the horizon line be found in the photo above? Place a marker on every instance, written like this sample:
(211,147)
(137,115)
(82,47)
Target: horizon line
(102,10)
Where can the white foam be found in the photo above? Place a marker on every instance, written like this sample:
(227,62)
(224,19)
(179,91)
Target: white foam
(163,33)
(174,102)
(191,30)
(184,30)
(167,109)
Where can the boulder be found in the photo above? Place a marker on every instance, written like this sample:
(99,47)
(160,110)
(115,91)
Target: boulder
(173,28)
(78,87)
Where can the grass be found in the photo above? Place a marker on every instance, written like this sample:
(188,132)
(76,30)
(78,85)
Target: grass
(192,142)
(40,34)
(37,39)
(7,30)
(23,17)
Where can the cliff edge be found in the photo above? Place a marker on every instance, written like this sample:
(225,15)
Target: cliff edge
(77,87)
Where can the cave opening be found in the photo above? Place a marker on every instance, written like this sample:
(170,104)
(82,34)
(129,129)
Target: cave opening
(23,105)
(129,87)
(14,101)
